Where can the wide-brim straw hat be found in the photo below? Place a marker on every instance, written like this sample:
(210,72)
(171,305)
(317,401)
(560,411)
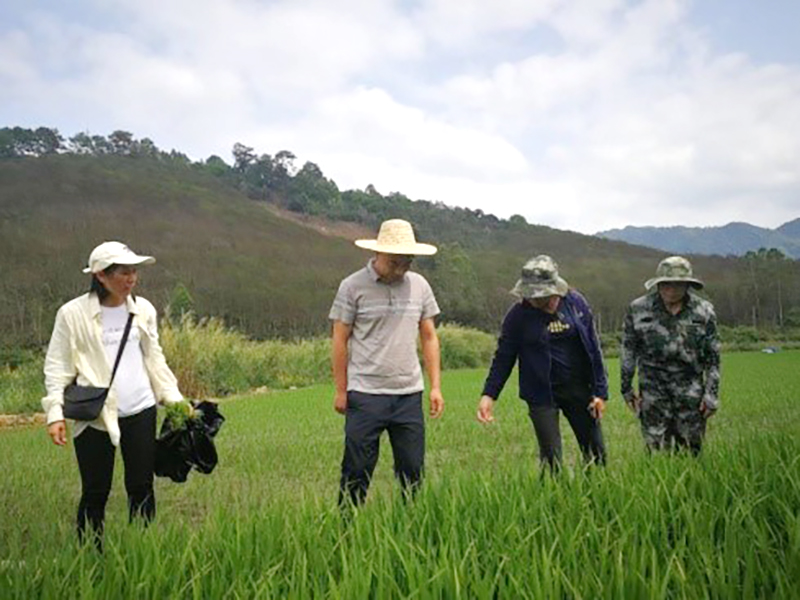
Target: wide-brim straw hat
(396,236)
(674,269)
(540,279)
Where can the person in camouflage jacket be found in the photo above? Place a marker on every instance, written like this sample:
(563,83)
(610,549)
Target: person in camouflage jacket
(670,334)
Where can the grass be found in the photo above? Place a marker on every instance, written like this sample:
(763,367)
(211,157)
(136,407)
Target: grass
(211,360)
(485,524)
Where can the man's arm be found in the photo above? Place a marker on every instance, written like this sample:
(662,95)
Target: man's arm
(627,361)
(432,359)
(339,356)
(711,362)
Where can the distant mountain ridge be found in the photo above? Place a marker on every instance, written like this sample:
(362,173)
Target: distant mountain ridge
(732,239)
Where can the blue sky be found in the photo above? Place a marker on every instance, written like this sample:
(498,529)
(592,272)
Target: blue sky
(578,114)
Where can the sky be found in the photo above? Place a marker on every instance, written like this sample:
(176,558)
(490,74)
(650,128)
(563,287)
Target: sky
(582,115)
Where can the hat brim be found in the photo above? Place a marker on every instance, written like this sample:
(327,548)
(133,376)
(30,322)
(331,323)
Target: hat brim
(529,291)
(127,260)
(695,283)
(415,249)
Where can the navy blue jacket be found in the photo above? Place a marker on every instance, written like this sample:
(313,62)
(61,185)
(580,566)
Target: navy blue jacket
(524,336)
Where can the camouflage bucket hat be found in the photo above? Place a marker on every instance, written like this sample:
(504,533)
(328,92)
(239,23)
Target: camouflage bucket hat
(674,268)
(540,279)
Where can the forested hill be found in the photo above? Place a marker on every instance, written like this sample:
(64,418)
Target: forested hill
(219,232)
(732,239)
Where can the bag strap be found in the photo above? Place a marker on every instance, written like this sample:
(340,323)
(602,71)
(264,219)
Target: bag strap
(121,347)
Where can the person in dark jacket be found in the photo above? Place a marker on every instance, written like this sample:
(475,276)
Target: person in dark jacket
(550,332)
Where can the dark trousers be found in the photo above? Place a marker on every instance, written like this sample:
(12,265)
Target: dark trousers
(573,400)
(96,464)
(368,415)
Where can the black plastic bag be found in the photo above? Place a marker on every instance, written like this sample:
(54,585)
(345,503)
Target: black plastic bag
(189,446)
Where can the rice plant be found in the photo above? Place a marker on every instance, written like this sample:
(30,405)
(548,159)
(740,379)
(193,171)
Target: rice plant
(486,523)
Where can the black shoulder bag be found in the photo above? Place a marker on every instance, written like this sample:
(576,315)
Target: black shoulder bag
(84,402)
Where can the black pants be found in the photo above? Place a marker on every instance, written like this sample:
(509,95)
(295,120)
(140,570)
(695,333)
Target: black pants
(96,464)
(573,400)
(368,415)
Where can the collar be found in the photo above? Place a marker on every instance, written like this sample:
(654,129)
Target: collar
(95,309)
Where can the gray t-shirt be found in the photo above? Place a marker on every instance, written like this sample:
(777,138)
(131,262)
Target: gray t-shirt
(382,349)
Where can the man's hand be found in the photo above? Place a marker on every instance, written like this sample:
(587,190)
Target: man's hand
(58,433)
(596,407)
(634,403)
(437,403)
(485,407)
(340,402)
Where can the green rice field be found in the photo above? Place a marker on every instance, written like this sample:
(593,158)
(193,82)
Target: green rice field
(486,524)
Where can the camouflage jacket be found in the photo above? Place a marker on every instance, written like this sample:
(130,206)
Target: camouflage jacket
(667,346)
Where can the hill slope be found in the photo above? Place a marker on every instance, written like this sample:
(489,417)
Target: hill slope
(270,275)
(732,239)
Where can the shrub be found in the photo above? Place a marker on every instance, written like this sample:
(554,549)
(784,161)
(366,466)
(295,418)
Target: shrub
(22,388)
(212,360)
(463,347)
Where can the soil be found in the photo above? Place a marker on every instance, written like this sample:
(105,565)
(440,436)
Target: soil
(342,229)
(9,421)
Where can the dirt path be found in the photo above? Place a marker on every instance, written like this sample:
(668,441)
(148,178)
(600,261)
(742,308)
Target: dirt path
(343,229)
(10,421)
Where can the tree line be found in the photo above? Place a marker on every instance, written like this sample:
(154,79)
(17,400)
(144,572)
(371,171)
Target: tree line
(479,255)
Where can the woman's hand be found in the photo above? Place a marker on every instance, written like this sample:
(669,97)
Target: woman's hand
(596,407)
(58,432)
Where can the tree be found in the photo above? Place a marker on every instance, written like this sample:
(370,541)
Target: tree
(47,141)
(216,166)
(243,157)
(19,142)
(121,142)
(145,148)
(180,302)
(768,270)
(81,143)
(284,160)
(311,193)
(455,285)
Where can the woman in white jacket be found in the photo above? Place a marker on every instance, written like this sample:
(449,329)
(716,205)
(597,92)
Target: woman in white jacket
(86,339)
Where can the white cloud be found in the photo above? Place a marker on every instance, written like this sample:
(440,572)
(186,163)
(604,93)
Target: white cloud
(457,23)
(584,114)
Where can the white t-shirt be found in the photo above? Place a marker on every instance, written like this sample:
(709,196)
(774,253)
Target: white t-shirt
(134,392)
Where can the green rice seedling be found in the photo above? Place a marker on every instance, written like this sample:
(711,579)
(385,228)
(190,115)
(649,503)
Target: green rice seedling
(486,523)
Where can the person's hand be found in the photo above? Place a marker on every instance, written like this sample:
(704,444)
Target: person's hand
(437,403)
(58,432)
(596,407)
(485,407)
(706,410)
(340,402)
(634,403)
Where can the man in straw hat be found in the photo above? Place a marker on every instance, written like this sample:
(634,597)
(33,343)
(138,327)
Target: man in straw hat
(550,333)
(671,336)
(377,315)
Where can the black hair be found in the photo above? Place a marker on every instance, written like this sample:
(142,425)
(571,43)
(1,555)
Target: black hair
(97,287)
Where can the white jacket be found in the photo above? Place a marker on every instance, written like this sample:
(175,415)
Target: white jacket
(76,348)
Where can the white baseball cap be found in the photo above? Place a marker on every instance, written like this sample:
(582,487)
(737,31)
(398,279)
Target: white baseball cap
(114,253)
